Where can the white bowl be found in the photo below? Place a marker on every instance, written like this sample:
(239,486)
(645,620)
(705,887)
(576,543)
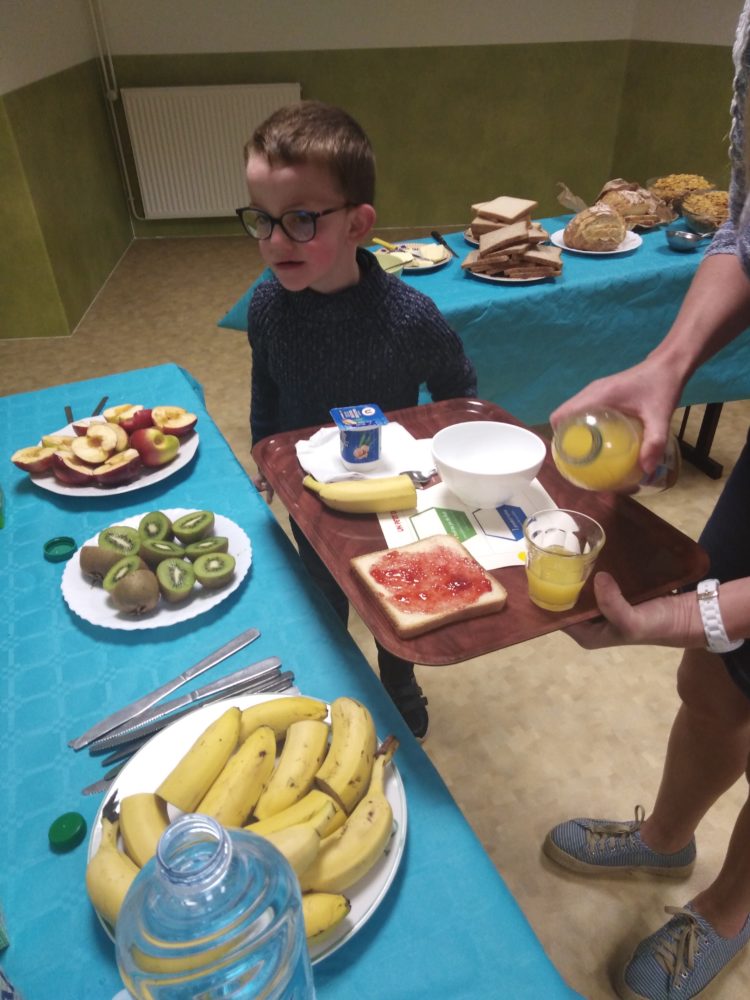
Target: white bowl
(484,462)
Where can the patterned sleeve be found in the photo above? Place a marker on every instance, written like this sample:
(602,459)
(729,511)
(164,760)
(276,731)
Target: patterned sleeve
(449,372)
(735,232)
(264,397)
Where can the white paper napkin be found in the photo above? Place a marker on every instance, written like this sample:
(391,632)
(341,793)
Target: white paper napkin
(321,457)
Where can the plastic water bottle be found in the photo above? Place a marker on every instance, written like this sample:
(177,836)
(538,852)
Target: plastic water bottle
(216,914)
(598,450)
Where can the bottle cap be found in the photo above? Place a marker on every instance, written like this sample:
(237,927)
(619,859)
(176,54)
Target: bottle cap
(580,442)
(59,549)
(67,832)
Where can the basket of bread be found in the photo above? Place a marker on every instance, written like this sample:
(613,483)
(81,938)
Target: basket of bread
(509,245)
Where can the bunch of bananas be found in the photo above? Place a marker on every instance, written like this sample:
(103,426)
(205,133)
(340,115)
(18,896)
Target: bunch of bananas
(321,802)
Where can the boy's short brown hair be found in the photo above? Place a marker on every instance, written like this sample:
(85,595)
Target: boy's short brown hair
(314,132)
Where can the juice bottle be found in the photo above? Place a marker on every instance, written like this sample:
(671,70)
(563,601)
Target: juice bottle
(598,450)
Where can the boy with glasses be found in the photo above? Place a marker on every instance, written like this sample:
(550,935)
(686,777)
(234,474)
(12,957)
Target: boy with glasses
(330,328)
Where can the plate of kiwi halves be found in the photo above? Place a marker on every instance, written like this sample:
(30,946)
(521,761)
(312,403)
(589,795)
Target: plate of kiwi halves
(156,569)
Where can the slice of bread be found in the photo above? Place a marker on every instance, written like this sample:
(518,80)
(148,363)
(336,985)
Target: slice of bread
(507,236)
(428,583)
(504,208)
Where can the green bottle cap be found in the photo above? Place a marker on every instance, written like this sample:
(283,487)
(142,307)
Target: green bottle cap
(59,549)
(67,832)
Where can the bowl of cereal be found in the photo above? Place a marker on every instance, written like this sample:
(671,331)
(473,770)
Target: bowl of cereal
(705,211)
(674,188)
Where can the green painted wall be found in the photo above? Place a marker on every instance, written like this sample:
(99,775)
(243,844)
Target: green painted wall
(675,112)
(449,126)
(29,301)
(75,203)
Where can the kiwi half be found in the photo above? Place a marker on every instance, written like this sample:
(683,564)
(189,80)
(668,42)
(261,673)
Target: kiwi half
(96,562)
(214,570)
(206,546)
(154,551)
(192,527)
(137,593)
(155,526)
(121,569)
(176,579)
(119,538)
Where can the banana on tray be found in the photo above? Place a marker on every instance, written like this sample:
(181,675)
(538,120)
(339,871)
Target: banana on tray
(366,496)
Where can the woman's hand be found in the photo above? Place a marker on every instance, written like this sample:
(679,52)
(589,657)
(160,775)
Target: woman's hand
(647,391)
(663,621)
(262,486)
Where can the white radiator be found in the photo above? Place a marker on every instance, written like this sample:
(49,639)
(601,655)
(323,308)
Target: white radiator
(188,142)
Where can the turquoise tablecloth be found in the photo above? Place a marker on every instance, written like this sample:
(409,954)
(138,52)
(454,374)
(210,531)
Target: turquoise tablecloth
(536,345)
(448,927)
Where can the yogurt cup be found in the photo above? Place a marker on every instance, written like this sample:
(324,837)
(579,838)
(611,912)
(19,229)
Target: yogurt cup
(359,434)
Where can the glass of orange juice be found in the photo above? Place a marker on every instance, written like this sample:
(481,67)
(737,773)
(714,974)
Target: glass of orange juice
(561,549)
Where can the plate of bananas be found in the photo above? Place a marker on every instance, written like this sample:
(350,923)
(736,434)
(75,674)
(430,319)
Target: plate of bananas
(315,781)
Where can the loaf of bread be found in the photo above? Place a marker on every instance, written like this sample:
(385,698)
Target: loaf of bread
(428,583)
(597,229)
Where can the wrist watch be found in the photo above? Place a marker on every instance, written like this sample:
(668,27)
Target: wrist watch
(717,640)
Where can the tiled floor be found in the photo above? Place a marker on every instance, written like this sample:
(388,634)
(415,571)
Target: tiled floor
(525,737)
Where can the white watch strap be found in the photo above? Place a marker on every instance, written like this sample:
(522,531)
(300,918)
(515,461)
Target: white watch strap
(717,640)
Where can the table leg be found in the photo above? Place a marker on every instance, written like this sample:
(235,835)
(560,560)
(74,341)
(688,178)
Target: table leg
(698,454)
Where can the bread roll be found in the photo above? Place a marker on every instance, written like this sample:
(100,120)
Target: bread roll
(428,583)
(598,229)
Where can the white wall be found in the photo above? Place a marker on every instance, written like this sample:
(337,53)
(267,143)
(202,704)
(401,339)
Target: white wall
(41,37)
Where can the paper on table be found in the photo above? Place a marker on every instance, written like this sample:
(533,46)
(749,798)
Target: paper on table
(320,455)
(494,537)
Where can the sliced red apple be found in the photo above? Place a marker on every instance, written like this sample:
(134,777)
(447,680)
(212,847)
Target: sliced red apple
(122,437)
(71,471)
(34,460)
(122,467)
(60,442)
(135,418)
(154,446)
(99,443)
(80,428)
(112,413)
(174,419)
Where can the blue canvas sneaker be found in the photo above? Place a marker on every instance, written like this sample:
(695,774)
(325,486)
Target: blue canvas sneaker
(680,960)
(610,847)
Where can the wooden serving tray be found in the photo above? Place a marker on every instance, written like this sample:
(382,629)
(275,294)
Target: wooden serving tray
(646,555)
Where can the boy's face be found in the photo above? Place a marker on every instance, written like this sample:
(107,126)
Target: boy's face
(327,263)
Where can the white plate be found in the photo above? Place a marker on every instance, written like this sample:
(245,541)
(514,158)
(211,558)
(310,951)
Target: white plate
(145,771)
(147,477)
(500,280)
(415,266)
(631,242)
(92,603)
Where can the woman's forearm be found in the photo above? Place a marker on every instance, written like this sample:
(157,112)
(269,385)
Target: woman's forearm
(714,311)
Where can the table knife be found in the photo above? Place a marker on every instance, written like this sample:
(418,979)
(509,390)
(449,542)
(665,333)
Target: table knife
(274,683)
(231,684)
(135,708)
(281,682)
(436,236)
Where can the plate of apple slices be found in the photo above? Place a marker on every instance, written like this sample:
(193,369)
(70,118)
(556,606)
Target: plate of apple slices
(126,448)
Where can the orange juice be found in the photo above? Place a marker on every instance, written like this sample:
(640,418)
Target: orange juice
(555,577)
(599,451)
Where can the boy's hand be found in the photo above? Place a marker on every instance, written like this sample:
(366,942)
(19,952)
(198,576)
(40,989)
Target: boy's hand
(263,487)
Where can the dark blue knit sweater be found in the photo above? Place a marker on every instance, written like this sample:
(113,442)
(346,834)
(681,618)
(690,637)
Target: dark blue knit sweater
(374,342)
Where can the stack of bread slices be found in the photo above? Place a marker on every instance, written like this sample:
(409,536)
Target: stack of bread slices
(510,244)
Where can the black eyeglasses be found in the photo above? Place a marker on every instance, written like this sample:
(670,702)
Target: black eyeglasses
(299,226)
